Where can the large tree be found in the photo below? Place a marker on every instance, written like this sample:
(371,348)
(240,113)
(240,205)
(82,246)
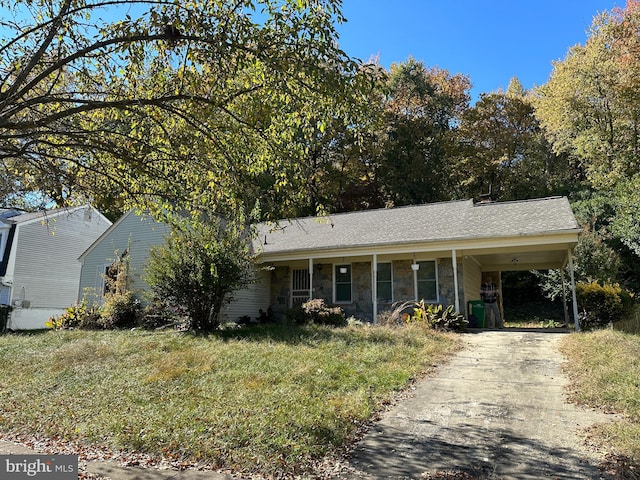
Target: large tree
(165,104)
(590,108)
(422,107)
(502,150)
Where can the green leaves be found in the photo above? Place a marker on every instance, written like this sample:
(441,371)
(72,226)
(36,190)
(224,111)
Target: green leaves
(590,106)
(185,103)
(201,264)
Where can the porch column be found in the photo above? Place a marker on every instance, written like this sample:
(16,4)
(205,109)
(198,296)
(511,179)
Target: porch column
(374,286)
(454,260)
(576,320)
(310,278)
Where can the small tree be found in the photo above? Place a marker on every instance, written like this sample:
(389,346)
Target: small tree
(198,268)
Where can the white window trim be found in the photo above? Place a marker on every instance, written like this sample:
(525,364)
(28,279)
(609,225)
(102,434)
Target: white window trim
(335,300)
(392,283)
(101,273)
(415,281)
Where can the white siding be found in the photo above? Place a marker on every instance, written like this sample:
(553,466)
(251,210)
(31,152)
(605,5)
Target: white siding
(138,233)
(46,269)
(250,300)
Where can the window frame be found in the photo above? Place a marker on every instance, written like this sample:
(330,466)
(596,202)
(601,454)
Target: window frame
(336,266)
(434,280)
(389,282)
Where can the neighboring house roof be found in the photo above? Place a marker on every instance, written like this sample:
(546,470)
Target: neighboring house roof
(7,213)
(13,218)
(437,222)
(41,214)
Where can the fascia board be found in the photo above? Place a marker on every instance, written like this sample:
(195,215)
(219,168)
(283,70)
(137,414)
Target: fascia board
(105,234)
(567,238)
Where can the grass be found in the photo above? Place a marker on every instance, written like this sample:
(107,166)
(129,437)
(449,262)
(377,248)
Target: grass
(629,325)
(267,399)
(604,368)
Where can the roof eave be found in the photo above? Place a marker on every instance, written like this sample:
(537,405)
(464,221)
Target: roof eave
(569,237)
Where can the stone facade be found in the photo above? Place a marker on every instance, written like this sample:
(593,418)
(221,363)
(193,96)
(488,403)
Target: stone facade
(361,306)
(446,285)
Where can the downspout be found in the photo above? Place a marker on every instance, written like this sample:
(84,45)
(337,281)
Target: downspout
(576,320)
(374,287)
(455,278)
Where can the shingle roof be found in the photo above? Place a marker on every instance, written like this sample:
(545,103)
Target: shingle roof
(43,214)
(456,220)
(6,213)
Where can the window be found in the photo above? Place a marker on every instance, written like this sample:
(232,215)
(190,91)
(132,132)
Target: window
(300,286)
(383,283)
(110,278)
(427,278)
(343,283)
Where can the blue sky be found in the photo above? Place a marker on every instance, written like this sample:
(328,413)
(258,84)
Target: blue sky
(491,41)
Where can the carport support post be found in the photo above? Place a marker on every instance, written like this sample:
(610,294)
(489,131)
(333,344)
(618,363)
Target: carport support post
(576,320)
(455,278)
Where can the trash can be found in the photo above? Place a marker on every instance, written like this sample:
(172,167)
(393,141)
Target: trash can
(476,309)
(4,317)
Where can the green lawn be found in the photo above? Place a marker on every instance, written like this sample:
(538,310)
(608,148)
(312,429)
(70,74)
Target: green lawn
(268,399)
(604,367)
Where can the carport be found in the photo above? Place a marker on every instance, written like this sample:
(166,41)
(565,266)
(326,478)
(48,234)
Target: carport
(556,255)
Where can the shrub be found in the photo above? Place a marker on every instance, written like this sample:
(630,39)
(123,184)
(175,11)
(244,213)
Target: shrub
(79,315)
(603,304)
(160,313)
(316,311)
(199,267)
(121,310)
(389,318)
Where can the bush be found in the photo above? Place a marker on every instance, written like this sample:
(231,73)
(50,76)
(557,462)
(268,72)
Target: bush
(199,267)
(315,311)
(121,310)
(603,304)
(389,318)
(79,315)
(159,314)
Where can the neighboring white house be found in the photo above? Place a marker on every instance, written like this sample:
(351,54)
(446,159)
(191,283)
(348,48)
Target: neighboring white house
(135,234)
(39,271)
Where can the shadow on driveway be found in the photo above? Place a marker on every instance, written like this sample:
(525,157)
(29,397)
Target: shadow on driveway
(496,410)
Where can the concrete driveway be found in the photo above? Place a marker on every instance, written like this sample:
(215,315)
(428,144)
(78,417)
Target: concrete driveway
(496,411)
